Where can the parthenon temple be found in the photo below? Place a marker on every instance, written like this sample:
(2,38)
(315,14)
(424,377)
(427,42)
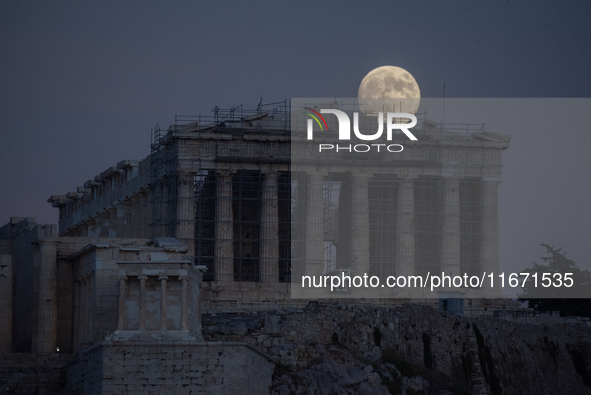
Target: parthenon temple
(208,222)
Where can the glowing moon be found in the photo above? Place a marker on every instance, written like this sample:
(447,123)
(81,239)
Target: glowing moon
(391,89)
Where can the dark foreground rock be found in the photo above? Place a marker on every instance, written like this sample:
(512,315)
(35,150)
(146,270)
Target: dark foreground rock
(338,348)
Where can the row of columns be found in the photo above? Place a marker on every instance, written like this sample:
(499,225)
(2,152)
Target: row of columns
(224,225)
(405,229)
(184,279)
(314,232)
(128,218)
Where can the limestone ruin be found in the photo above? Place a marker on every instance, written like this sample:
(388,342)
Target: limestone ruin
(202,225)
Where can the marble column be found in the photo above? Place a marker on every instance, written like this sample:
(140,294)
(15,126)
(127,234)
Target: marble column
(81,313)
(360,223)
(314,228)
(144,216)
(184,302)
(104,221)
(405,229)
(91,228)
(120,220)
(126,228)
(134,221)
(113,220)
(185,212)
(86,298)
(122,299)
(270,229)
(142,318)
(47,309)
(90,311)
(489,250)
(163,314)
(76,314)
(161,224)
(82,229)
(450,243)
(224,229)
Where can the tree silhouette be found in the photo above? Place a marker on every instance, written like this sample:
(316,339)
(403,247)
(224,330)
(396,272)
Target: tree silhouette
(569,301)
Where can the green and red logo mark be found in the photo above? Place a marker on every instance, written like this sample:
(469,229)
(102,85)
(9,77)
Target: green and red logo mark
(316,118)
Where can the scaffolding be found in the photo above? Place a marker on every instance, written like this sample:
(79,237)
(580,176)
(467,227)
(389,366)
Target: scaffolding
(430,212)
(244,145)
(164,159)
(255,146)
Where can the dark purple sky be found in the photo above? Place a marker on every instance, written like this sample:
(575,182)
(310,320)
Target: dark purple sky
(82,83)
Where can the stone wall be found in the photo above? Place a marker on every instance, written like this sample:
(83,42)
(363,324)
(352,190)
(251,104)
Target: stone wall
(29,373)
(236,296)
(84,374)
(175,367)
(346,345)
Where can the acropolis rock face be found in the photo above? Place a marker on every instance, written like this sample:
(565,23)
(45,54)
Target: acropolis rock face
(352,348)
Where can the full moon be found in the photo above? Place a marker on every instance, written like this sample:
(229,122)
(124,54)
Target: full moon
(389,89)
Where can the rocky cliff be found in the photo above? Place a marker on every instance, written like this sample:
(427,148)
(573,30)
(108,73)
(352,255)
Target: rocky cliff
(339,348)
